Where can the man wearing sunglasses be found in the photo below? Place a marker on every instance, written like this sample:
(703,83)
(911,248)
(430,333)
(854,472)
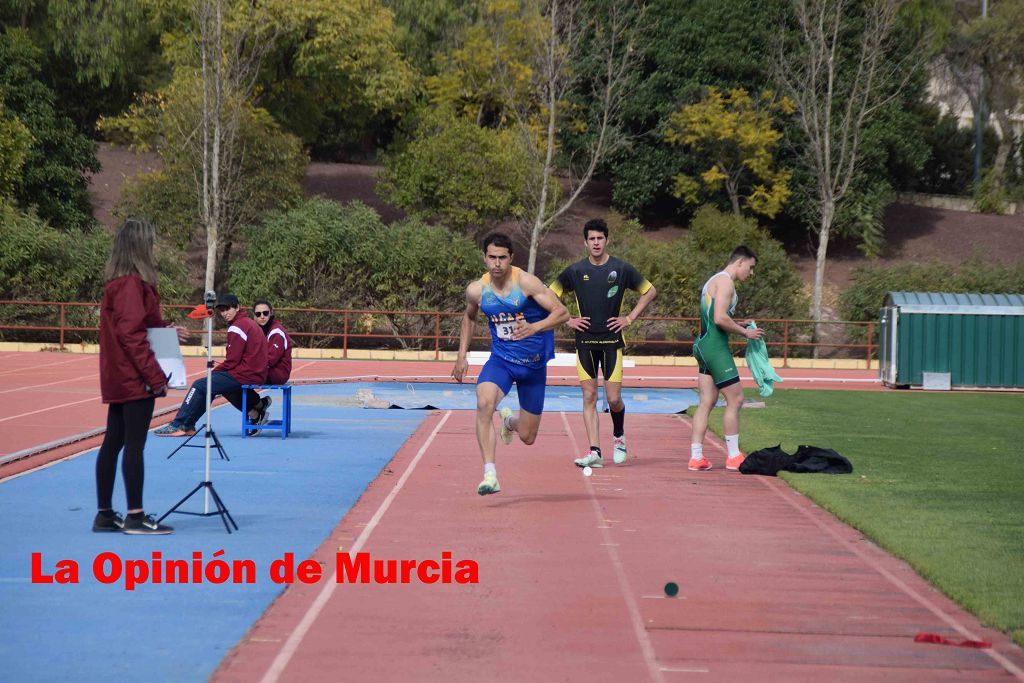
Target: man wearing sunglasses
(245,362)
(279,363)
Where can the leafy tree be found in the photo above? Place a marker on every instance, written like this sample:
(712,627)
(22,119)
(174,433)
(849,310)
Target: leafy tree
(489,70)
(106,39)
(838,95)
(426,29)
(53,177)
(984,55)
(612,30)
(458,172)
(268,174)
(333,70)
(15,143)
(735,135)
(690,46)
(94,55)
(949,167)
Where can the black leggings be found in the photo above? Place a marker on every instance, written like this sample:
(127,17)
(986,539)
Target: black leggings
(127,426)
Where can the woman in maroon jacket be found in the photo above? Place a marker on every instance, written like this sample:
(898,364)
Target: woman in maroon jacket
(279,363)
(130,377)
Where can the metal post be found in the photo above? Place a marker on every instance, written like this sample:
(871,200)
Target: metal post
(785,343)
(871,339)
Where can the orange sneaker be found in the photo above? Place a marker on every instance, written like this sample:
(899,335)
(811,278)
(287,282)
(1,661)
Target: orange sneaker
(170,429)
(699,465)
(735,461)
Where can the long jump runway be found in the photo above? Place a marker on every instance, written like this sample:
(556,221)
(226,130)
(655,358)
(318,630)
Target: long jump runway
(572,572)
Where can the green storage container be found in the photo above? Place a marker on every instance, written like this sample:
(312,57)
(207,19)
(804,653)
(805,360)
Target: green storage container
(952,341)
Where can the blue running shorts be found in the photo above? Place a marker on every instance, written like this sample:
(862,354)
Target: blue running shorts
(531,382)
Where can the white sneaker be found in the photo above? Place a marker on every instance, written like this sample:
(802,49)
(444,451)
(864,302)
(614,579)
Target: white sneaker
(591,459)
(489,484)
(506,433)
(619,454)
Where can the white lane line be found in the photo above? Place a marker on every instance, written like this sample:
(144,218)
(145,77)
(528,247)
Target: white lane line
(627,593)
(295,639)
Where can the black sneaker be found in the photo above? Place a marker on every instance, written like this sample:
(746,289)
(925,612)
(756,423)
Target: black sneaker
(107,521)
(145,524)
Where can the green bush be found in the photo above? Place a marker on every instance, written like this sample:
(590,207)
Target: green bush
(863,300)
(323,255)
(458,172)
(990,196)
(678,269)
(38,263)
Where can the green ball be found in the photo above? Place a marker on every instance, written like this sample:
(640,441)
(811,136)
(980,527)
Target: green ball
(671,589)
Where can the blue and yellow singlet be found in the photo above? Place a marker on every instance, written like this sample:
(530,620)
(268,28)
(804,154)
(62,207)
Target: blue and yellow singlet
(502,313)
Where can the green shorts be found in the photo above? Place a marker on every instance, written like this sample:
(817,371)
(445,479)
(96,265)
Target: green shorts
(715,359)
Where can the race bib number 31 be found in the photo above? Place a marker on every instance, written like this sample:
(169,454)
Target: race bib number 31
(505,330)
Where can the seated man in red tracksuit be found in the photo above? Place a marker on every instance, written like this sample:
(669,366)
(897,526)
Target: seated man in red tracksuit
(245,363)
(279,364)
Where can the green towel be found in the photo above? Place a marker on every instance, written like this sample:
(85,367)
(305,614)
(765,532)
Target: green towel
(760,367)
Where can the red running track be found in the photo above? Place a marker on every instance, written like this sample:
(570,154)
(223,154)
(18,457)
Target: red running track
(572,571)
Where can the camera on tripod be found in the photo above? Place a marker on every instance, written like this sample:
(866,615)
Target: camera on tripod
(210,299)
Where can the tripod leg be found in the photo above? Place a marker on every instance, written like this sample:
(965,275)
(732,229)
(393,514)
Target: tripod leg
(224,514)
(184,443)
(218,446)
(178,504)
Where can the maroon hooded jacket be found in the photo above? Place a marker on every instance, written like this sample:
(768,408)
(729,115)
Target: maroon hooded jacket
(128,369)
(279,354)
(246,358)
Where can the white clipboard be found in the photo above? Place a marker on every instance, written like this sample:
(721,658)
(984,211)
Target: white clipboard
(164,342)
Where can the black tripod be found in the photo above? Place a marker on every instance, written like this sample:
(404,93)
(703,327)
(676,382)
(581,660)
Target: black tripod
(210,436)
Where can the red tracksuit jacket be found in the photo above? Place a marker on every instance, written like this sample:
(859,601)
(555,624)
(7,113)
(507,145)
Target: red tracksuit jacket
(246,358)
(128,369)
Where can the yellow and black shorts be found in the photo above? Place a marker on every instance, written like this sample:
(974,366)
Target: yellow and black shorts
(589,359)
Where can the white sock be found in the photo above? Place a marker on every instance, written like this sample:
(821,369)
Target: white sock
(696,451)
(489,467)
(733,443)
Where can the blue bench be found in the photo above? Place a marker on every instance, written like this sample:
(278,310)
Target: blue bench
(284,425)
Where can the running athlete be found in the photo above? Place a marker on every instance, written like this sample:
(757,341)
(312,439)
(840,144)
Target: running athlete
(716,367)
(599,282)
(521,314)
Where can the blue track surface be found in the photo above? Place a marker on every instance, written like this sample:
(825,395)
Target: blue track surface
(286,496)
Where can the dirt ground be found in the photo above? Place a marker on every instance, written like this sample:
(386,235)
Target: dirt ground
(914,234)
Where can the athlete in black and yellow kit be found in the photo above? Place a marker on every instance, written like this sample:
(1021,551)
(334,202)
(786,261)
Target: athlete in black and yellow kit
(599,283)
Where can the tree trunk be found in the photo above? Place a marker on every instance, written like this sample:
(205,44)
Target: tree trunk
(549,154)
(1003,150)
(734,197)
(827,216)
